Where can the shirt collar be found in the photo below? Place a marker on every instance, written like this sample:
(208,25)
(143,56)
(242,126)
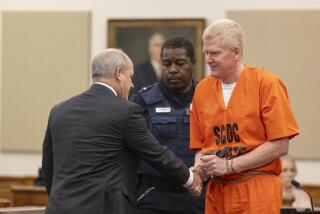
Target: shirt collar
(108,86)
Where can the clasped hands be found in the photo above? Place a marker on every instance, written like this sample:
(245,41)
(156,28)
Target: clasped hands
(212,165)
(208,165)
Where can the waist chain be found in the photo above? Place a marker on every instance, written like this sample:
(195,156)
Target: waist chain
(247,176)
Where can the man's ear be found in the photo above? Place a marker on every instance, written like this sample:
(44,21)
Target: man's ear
(118,74)
(237,51)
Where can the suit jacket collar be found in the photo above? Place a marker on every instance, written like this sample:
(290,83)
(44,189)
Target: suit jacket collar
(101,89)
(106,85)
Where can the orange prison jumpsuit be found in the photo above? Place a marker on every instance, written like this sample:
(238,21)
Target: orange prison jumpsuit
(258,111)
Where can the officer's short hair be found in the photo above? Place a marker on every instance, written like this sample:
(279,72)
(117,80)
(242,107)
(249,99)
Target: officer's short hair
(179,42)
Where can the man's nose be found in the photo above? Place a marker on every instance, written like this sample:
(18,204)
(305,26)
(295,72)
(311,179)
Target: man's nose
(208,58)
(173,68)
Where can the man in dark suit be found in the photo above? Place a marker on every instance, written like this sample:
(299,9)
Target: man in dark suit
(93,142)
(149,72)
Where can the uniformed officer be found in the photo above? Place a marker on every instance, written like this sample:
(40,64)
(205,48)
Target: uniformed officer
(166,105)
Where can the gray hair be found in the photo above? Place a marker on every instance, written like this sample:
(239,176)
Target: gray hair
(107,62)
(230,32)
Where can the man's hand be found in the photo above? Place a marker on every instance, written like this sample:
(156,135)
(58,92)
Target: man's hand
(196,186)
(202,173)
(213,165)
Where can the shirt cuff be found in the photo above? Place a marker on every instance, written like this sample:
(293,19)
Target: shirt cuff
(189,181)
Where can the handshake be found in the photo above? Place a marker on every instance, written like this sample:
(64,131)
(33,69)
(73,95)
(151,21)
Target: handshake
(198,177)
(210,165)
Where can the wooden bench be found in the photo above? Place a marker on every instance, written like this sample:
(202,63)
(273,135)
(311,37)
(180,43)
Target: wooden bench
(7,181)
(4,202)
(29,195)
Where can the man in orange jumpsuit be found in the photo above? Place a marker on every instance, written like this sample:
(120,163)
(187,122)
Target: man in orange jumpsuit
(241,123)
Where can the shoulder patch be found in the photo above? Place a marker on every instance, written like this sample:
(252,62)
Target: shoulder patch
(146,88)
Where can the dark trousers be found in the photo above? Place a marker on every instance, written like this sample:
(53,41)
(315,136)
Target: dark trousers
(156,197)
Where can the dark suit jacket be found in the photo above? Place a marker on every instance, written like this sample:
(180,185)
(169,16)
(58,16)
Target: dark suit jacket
(144,75)
(91,150)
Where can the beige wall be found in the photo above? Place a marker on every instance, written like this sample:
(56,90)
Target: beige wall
(104,9)
(45,59)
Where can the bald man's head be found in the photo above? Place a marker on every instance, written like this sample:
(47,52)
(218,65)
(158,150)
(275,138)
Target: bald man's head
(114,68)
(105,63)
